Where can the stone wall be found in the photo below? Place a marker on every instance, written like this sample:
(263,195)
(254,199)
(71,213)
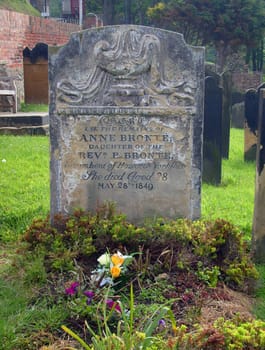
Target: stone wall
(243,81)
(18,31)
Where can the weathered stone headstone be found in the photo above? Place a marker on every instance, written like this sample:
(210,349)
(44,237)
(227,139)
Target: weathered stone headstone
(251,124)
(259,210)
(238,110)
(126,111)
(238,115)
(212,132)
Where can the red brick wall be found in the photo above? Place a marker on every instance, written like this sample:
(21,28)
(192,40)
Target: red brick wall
(18,31)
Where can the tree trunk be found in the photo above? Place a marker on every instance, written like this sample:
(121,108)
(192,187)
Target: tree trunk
(108,12)
(222,52)
(254,60)
(260,56)
(128,11)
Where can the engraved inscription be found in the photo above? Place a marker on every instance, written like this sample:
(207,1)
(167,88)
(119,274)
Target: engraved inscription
(111,157)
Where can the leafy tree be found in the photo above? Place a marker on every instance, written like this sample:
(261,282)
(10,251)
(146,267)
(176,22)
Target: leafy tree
(226,24)
(94,6)
(55,8)
(121,11)
(254,57)
(108,11)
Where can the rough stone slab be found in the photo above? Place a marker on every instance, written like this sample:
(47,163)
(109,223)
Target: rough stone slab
(24,119)
(126,111)
(25,130)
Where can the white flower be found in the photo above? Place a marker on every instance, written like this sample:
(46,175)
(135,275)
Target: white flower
(3,160)
(106,281)
(104,259)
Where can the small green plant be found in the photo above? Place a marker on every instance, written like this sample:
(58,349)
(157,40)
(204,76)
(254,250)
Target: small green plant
(208,275)
(242,335)
(128,334)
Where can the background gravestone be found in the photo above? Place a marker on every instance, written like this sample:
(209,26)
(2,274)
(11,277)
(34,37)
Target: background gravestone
(251,125)
(126,111)
(212,132)
(238,110)
(238,115)
(226,83)
(259,210)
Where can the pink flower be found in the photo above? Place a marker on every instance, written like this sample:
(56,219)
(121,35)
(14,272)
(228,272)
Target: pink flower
(72,290)
(113,305)
(89,294)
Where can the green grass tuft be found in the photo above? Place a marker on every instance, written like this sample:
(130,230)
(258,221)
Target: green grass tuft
(33,107)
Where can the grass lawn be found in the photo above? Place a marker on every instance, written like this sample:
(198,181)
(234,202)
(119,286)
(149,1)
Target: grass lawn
(233,200)
(24,183)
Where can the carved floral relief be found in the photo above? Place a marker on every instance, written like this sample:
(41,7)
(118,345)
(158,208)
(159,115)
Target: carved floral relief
(128,70)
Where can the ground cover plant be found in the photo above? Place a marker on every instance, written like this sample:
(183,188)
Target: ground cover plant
(110,284)
(19,6)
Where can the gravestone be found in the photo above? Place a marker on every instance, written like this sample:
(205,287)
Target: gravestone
(259,210)
(227,110)
(126,111)
(238,110)
(212,132)
(251,125)
(238,115)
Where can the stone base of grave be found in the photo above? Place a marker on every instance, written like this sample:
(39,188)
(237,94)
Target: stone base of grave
(24,124)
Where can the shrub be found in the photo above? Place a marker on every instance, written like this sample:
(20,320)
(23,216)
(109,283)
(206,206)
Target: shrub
(216,251)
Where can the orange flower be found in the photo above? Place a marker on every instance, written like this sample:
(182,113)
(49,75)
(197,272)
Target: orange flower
(117,259)
(115,271)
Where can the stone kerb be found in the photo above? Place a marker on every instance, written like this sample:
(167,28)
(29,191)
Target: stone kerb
(126,111)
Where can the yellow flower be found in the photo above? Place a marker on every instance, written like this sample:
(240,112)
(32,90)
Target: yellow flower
(115,271)
(117,259)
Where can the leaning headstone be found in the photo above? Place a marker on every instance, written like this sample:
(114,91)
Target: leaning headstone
(251,125)
(212,132)
(126,111)
(259,210)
